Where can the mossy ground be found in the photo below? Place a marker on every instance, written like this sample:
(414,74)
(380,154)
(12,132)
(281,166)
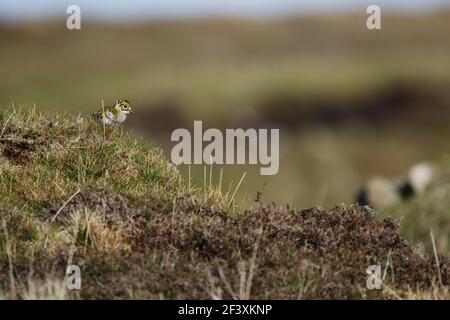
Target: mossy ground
(116,208)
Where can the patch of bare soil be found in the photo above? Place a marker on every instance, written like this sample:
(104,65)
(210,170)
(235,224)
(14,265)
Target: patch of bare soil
(19,147)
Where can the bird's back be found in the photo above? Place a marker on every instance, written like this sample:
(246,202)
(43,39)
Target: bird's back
(105,115)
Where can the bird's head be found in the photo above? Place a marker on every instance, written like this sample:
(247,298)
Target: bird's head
(124,106)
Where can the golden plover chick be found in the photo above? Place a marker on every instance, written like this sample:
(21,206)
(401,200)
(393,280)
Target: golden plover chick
(113,116)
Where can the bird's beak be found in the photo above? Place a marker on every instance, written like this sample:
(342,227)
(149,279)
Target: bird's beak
(131,111)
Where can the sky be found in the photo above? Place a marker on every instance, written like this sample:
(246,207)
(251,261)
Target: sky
(160,9)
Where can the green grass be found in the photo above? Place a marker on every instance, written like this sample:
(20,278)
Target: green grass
(64,153)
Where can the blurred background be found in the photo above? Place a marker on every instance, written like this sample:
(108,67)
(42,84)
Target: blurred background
(350,103)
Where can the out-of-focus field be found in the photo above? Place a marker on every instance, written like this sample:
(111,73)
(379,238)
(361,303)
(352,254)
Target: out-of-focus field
(350,102)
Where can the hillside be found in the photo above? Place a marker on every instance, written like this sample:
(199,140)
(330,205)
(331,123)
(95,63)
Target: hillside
(118,210)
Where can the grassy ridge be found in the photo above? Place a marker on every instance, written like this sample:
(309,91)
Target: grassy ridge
(116,208)
(49,157)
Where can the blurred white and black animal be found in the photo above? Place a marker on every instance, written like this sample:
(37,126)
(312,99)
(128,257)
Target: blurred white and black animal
(382,193)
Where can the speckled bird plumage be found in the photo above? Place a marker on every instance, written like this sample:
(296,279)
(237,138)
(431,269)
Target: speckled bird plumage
(113,116)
